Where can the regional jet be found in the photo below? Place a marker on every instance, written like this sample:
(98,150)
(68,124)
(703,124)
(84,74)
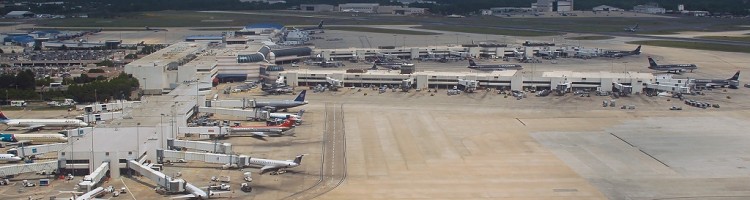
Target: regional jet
(268,164)
(620,54)
(673,68)
(500,67)
(155,29)
(36,124)
(264,131)
(32,138)
(10,158)
(733,82)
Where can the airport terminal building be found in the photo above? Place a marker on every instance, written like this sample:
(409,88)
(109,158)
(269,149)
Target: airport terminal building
(629,82)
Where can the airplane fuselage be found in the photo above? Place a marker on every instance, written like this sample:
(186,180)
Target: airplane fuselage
(496,67)
(33,137)
(10,158)
(44,122)
(283,104)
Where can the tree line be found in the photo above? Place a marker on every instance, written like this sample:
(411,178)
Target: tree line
(22,86)
(110,8)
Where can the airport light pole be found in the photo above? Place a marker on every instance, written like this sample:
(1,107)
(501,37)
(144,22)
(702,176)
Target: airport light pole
(161,129)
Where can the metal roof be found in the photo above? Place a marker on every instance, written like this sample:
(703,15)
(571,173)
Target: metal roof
(302,51)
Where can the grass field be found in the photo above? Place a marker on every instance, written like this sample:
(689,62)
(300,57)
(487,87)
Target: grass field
(591,37)
(197,19)
(490,31)
(693,45)
(380,30)
(730,38)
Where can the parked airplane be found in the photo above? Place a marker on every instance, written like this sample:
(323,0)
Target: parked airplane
(275,89)
(34,138)
(264,131)
(275,105)
(197,193)
(10,158)
(36,124)
(632,29)
(673,68)
(297,118)
(474,66)
(620,54)
(155,29)
(314,28)
(268,164)
(733,82)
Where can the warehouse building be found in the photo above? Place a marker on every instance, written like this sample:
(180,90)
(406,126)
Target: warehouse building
(358,7)
(553,6)
(607,8)
(316,7)
(649,8)
(19,14)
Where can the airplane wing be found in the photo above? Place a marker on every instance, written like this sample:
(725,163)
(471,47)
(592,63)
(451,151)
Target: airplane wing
(259,134)
(33,127)
(267,167)
(187,196)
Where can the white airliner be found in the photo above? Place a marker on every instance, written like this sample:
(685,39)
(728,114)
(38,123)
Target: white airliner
(297,118)
(198,193)
(36,124)
(9,158)
(33,138)
(268,164)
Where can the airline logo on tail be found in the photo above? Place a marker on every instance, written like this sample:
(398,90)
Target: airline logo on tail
(301,96)
(734,78)
(298,159)
(472,63)
(2,117)
(287,123)
(652,63)
(7,137)
(320,25)
(637,50)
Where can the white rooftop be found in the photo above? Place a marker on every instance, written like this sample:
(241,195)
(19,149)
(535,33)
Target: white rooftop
(602,74)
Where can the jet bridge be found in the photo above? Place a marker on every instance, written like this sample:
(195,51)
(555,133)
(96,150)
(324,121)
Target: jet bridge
(231,160)
(89,181)
(623,89)
(168,183)
(12,170)
(213,147)
(37,149)
(240,103)
(257,114)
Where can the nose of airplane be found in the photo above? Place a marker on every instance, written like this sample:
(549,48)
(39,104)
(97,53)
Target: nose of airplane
(16,159)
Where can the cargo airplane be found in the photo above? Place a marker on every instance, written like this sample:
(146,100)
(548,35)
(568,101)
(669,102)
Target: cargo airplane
(36,124)
(673,68)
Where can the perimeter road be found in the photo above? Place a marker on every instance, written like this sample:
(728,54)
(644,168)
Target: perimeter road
(334,155)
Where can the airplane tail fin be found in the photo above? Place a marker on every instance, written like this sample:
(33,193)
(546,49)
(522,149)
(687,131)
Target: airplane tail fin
(637,50)
(320,25)
(374,66)
(734,78)
(300,112)
(2,116)
(651,62)
(298,159)
(288,123)
(301,96)
(472,63)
